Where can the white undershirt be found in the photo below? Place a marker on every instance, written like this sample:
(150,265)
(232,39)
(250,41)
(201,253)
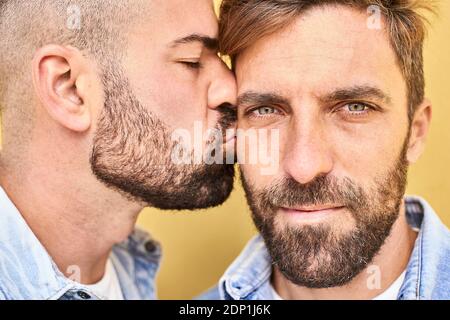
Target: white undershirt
(108,288)
(390,293)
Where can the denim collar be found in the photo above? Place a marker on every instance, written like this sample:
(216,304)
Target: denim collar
(428,272)
(248,278)
(27,272)
(427,275)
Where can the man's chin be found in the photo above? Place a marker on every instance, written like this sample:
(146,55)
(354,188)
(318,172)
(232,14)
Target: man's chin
(202,188)
(206,191)
(190,201)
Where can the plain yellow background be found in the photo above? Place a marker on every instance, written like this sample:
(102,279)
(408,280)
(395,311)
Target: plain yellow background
(199,246)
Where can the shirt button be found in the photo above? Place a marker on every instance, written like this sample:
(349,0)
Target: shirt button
(83,295)
(150,246)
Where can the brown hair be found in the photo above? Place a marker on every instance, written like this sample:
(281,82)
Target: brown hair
(243,22)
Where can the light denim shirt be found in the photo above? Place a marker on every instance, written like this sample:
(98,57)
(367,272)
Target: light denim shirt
(427,275)
(27,272)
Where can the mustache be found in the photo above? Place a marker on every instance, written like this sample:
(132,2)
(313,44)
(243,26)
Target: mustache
(323,190)
(227,120)
(228,116)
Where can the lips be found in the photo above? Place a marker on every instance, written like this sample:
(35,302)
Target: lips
(313,209)
(313,212)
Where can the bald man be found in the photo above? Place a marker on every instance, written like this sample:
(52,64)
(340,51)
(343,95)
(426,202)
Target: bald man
(91,93)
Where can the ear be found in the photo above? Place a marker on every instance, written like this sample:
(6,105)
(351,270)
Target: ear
(419,131)
(60,78)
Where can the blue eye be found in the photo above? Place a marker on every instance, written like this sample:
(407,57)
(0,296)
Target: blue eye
(357,107)
(264,111)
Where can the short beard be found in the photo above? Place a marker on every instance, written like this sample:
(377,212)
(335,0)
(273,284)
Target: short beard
(318,256)
(132,154)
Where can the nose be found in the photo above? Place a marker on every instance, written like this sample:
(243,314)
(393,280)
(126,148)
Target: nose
(307,154)
(223,87)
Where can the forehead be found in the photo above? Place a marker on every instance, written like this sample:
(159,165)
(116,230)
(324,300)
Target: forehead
(325,48)
(173,19)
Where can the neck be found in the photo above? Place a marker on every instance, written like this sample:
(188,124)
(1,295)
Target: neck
(75,217)
(385,268)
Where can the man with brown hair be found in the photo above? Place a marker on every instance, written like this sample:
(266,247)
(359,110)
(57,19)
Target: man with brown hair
(342,83)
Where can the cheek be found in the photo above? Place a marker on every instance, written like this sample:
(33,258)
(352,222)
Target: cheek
(368,153)
(178,104)
(261,164)
(170,91)
(252,175)
(259,150)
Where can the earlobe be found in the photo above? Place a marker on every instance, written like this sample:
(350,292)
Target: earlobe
(56,72)
(419,131)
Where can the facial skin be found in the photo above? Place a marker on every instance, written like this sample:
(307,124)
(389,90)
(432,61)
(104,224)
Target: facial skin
(333,89)
(96,152)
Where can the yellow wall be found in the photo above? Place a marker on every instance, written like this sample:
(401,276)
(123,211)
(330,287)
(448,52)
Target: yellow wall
(199,246)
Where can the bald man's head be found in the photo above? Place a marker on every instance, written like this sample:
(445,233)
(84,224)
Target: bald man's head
(98,28)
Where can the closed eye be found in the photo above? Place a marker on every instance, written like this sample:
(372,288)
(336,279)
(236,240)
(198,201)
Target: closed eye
(192,64)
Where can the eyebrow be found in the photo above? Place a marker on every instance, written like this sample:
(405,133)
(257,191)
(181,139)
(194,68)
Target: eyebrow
(356,93)
(252,97)
(344,94)
(206,41)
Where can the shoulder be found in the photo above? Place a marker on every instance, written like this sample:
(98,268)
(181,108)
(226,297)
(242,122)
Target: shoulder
(433,252)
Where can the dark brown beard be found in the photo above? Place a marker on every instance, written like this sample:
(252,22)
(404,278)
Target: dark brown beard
(132,153)
(317,256)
